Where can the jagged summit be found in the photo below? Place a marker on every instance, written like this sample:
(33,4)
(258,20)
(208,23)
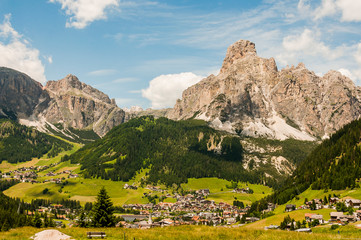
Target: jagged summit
(238,50)
(250,96)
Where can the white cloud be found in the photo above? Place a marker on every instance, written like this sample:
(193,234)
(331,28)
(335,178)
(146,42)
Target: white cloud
(347,73)
(351,10)
(126,79)
(17,53)
(357,57)
(124,101)
(49,59)
(102,72)
(307,43)
(327,8)
(83,12)
(164,90)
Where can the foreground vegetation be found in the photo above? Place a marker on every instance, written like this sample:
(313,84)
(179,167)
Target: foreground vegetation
(193,232)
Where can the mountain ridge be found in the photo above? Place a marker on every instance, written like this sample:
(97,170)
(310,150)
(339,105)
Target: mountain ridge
(250,96)
(58,106)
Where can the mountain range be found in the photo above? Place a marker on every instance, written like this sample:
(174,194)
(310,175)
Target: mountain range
(250,98)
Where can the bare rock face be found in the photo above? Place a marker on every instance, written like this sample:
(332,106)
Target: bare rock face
(81,106)
(20,96)
(250,96)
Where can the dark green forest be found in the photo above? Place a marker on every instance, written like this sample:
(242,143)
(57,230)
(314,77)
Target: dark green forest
(335,164)
(19,143)
(173,151)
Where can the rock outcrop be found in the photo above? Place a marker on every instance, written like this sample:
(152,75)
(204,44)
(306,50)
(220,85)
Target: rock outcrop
(80,106)
(250,96)
(20,96)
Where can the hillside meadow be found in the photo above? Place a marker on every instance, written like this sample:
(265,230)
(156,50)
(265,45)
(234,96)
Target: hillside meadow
(85,190)
(191,232)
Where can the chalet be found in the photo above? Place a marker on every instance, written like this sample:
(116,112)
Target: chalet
(131,218)
(334,200)
(127,186)
(336,216)
(290,207)
(252,219)
(308,216)
(318,217)
(355,203)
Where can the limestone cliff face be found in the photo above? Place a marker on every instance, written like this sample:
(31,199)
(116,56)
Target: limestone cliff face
(67,101)
(252,97)
(20,96)
(80,106)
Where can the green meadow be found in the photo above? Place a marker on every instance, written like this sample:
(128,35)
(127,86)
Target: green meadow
(220,192)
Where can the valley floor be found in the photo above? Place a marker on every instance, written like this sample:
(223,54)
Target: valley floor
(193,232)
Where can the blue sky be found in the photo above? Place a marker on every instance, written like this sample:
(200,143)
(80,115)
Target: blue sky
(145,53)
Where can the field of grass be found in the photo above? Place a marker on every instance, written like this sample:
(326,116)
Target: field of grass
(83,190)
(298,215)
(220,193)
(192,232)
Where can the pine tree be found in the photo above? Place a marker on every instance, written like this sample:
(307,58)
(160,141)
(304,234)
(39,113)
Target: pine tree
(103,211)
(37,221)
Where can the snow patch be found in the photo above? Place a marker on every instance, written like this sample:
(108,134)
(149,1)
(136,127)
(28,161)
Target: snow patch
(277,128)
(203,117)
(226,126)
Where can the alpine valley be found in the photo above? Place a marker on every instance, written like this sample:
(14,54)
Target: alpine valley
(238,147)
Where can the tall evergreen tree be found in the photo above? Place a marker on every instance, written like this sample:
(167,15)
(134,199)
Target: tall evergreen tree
(103,211)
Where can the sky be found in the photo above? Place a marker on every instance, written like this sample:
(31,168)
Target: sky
(145,53)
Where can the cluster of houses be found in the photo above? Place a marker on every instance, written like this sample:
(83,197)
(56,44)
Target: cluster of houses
(24,174)
(59,180)
(335,217)
(194,209)
(241,190)
(29,174)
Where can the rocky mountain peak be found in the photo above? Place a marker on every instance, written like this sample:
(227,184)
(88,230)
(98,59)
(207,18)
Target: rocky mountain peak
(238,50)
(250,96)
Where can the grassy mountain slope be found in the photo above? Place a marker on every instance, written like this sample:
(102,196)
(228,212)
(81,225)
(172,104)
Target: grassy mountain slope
(173,150)
(19,143)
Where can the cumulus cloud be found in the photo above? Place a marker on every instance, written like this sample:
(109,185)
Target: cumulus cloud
(164,90)
(327,8)
(17,52)
(83,12)
(306,43)
(351,10)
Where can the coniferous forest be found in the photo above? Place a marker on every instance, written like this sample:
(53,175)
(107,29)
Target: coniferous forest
(173,151)
(335,164)
(19,143)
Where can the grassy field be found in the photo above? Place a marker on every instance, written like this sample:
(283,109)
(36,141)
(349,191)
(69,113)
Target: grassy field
(85,190)
(192,232)
(220,192)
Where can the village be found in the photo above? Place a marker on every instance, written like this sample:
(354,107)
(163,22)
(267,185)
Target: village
(30,174)
(191,208)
